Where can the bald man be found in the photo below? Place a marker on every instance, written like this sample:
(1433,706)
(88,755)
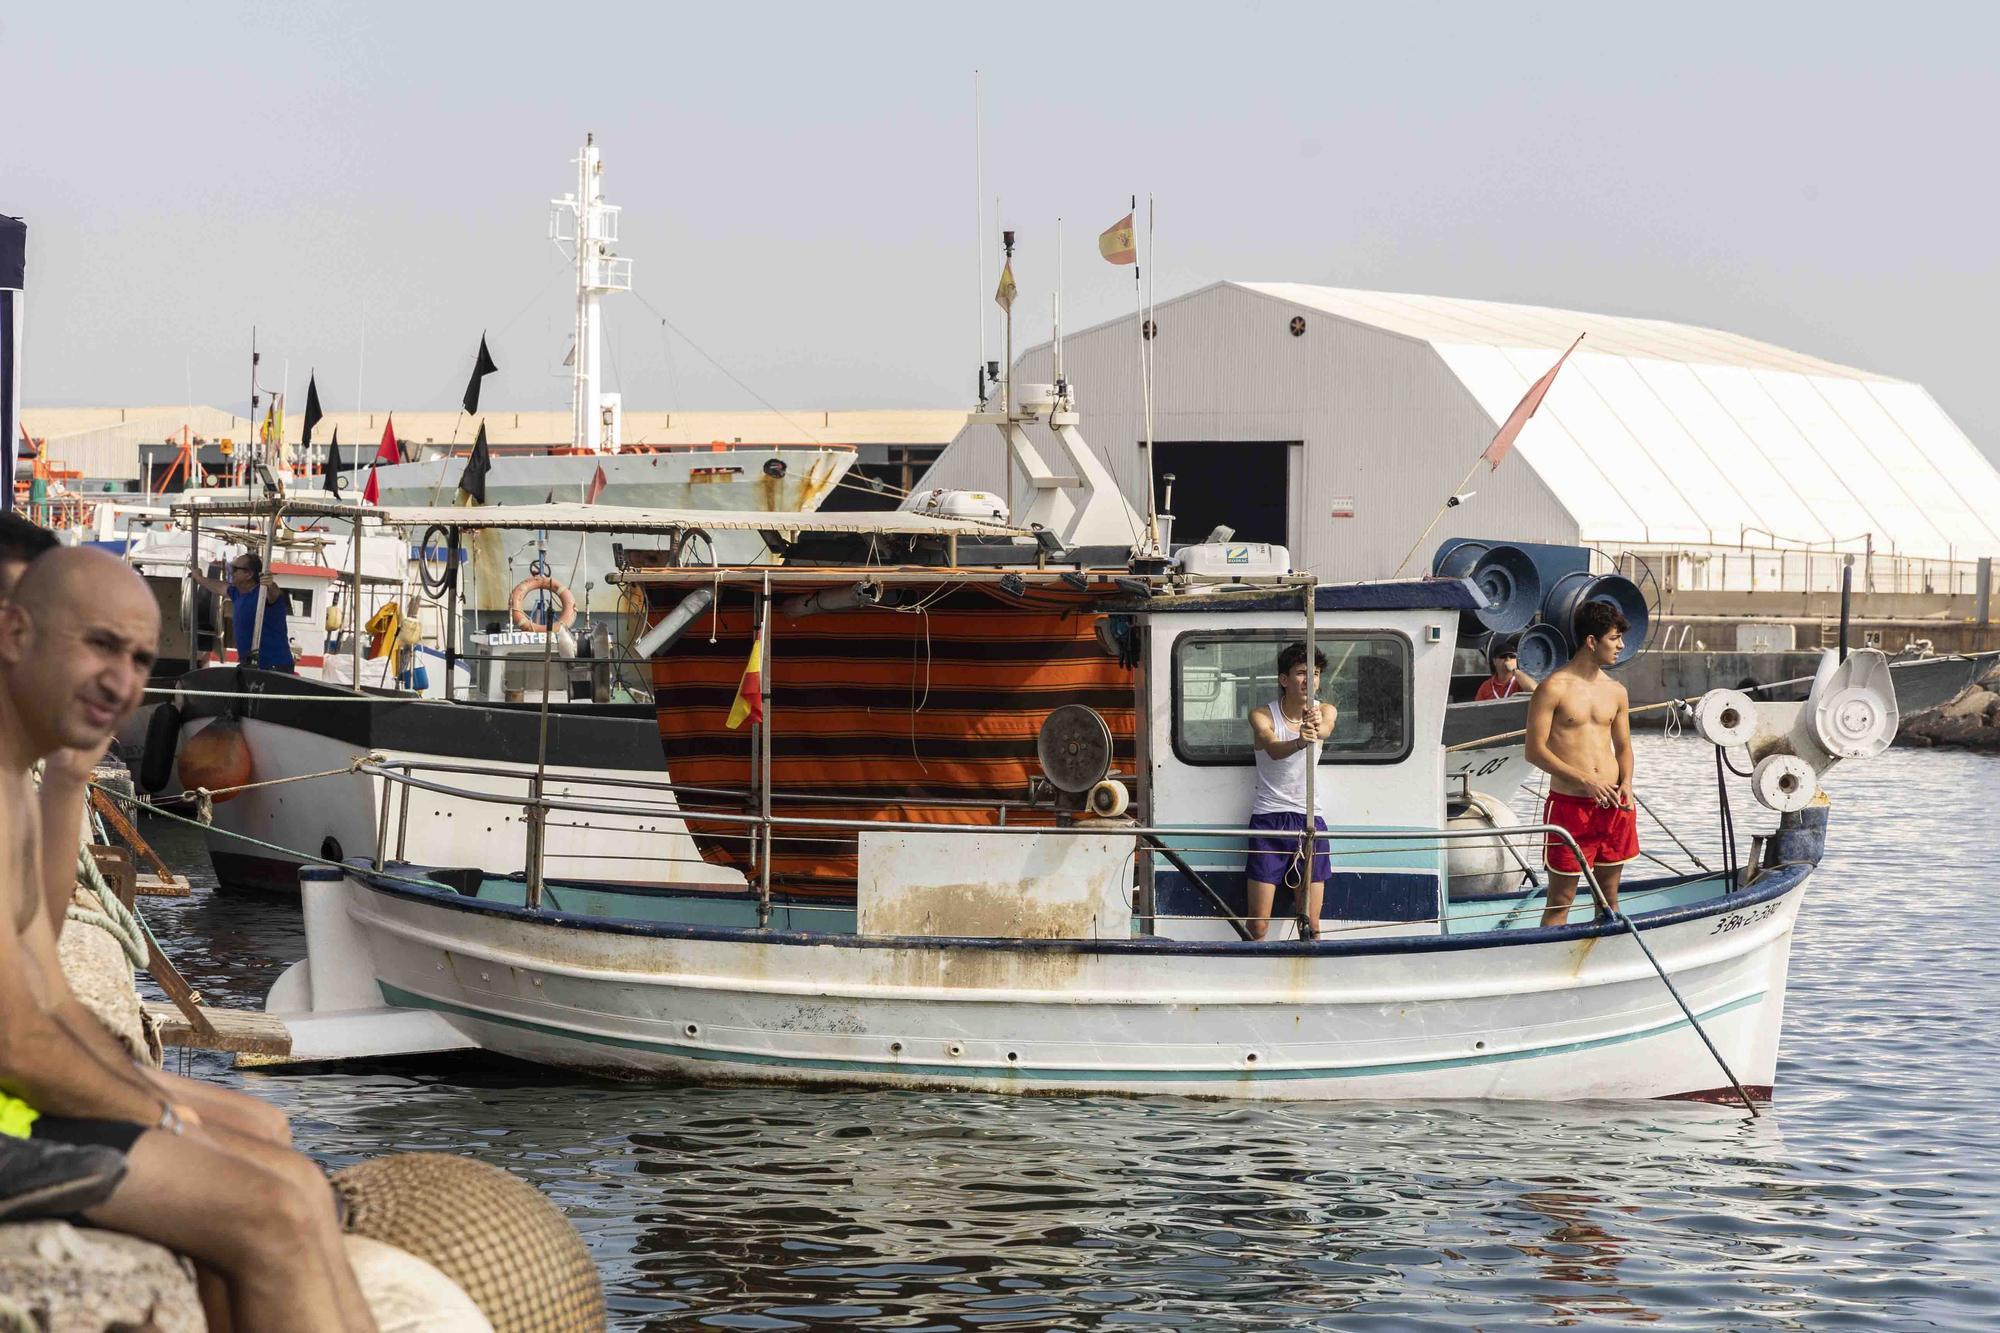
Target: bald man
(201,1172)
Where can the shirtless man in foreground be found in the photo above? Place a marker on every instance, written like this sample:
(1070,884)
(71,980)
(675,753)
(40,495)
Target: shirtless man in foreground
(1580,734)
(204,1172)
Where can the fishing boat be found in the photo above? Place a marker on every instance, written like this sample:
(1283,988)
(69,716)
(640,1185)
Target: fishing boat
(287,789)
(989,819)
(943,920)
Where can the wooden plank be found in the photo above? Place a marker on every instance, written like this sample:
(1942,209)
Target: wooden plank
(186,999)
(245,1031)
(152,886)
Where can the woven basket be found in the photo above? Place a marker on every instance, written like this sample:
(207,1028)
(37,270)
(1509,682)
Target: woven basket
(515,1255)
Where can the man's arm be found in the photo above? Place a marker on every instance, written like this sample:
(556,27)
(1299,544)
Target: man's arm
(1621,746)
(53,1051)
(65,791)
(1523,681)
(1264,736)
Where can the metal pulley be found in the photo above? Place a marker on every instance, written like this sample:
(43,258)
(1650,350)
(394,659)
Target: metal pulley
(1783,782)
(1726,717)
(1074,748)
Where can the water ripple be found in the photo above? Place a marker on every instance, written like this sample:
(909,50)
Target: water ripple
(1865,1200)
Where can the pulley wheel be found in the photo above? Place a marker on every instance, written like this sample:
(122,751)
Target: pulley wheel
(1074,747)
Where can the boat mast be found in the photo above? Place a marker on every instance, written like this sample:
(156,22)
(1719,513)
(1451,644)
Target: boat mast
(587,228)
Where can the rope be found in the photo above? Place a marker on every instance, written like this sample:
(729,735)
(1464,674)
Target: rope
(285,698)
(116,920)
(1485,741)
(208,794)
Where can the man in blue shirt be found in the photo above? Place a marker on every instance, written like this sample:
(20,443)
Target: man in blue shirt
(274,650)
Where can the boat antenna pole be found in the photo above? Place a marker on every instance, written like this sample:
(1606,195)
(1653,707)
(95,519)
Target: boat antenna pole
(1146,391)
(1007,384)
(979,234)
(1058,312)
(256,399)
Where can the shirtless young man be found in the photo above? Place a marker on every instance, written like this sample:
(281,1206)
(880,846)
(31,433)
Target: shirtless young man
(201,1172)
(1580,734)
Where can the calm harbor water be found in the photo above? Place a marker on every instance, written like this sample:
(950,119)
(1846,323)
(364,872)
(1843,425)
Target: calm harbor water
(1868,1197)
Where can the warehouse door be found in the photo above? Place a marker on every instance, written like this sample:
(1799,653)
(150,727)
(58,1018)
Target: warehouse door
(1241,483)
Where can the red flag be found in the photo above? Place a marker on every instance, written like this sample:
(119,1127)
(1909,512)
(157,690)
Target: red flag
(597,484)
(385,452)
(1524,409)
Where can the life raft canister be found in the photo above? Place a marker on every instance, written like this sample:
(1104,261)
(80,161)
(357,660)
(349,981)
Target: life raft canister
(517,609)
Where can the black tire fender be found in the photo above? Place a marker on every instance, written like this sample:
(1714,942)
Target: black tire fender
(156,761)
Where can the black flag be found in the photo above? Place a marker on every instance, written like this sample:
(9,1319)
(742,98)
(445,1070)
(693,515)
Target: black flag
(472,481)
(332,456)
(480,370)
(313,414)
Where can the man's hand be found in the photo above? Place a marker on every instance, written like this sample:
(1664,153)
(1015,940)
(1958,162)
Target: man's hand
(1606,794)
(74,765)
(271,589)
(1625,798)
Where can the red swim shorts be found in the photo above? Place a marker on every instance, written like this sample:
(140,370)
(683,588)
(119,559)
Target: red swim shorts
(1608,835)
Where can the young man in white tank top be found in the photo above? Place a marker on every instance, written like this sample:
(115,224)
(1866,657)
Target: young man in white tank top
(1287,734)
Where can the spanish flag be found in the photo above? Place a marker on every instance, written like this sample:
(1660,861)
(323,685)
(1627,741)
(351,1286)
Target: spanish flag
(1004,298)
(1117,244)
(749,703)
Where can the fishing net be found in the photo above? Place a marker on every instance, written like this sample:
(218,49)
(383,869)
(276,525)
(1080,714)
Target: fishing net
(514,1254)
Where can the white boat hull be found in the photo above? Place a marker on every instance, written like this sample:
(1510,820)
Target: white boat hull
(261,838)
(1563,1018)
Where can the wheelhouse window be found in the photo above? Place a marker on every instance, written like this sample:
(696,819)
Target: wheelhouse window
(1219,678)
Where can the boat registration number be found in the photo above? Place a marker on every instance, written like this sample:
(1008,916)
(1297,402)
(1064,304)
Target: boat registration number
(1738,920)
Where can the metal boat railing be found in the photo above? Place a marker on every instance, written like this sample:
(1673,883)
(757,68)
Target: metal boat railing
(399,778)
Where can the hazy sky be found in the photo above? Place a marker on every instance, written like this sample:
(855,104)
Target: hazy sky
(798,187)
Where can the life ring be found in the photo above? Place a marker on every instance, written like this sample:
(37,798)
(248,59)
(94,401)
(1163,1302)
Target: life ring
(539,583)
(156,761)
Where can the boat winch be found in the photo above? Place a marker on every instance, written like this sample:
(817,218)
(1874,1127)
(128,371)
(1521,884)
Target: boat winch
(1850,713)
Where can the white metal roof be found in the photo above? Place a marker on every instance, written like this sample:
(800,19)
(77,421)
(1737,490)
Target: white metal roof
(1670,433)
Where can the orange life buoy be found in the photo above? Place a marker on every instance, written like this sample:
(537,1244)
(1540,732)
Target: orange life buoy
(539,582)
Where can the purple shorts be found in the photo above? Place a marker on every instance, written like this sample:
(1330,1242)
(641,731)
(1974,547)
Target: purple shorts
(1270,857)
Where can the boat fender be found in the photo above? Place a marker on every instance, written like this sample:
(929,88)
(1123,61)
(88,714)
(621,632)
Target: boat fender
(1109,799)
(216,757)
(516,603)
(156,761)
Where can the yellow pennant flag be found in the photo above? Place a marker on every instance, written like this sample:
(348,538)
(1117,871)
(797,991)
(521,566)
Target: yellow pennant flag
(1117,245)
(749,705)
(1004,298)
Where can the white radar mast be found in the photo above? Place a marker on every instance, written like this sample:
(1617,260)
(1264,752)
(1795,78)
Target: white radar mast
(585,228)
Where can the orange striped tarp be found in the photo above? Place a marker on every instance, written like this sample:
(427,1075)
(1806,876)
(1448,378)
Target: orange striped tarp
(881,710)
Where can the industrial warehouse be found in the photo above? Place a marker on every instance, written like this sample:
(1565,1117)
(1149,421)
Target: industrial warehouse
(1339,422)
